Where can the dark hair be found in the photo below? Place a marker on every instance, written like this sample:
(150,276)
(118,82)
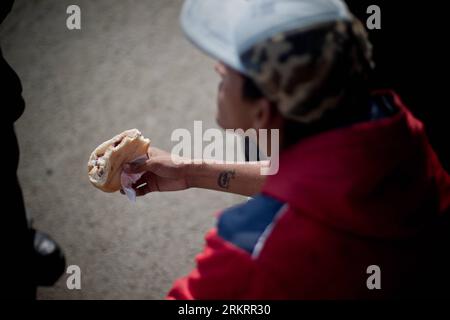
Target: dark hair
(294,131)
(250,91)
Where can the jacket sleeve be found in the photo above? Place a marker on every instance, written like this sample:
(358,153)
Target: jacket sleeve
(223,271)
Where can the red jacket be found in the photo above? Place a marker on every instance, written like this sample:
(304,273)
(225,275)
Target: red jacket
(372,193)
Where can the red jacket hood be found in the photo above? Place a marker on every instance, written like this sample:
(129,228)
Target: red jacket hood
(379,178)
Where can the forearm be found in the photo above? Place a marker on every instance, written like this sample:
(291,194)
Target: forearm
(240,178)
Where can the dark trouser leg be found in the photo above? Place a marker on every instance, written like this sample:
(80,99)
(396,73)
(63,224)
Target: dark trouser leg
(17,243)
(17,257)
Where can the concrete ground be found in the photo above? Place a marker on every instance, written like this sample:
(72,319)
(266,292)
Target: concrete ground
(129,67)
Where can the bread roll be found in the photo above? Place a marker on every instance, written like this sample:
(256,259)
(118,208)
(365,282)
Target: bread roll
(106,162)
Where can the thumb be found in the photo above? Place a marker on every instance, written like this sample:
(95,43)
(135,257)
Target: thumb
(131,168)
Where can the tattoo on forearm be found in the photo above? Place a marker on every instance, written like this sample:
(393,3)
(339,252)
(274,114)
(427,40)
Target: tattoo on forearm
(224,178)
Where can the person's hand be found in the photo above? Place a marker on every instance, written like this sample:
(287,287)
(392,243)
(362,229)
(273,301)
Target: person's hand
(161,174)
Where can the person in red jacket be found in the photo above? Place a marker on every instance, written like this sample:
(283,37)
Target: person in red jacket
(360,205)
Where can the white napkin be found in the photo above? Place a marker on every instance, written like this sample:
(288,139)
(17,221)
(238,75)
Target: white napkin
(128,179)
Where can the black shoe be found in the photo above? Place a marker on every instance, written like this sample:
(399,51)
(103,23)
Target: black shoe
(48,259)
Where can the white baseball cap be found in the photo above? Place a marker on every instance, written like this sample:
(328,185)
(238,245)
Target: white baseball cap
(225,29)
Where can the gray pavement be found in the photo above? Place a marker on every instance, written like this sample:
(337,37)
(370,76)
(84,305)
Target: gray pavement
(129,67)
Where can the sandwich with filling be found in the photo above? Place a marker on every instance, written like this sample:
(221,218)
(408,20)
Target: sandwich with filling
(106,162)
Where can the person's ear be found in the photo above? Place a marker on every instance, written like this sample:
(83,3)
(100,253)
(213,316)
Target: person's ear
(263,115)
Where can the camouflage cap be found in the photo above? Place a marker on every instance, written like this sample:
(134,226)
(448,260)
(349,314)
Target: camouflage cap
(304,55)
(308,72)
